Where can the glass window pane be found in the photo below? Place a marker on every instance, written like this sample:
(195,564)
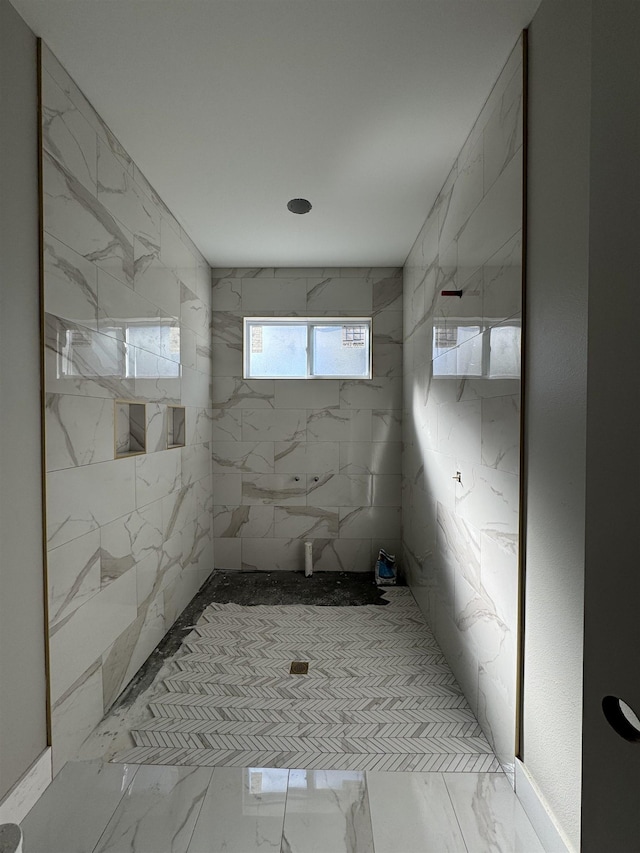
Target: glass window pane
(504,361)
(341,350)
(277,350)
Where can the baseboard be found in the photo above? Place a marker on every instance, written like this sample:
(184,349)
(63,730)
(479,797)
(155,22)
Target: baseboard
(552,838)
(27,791)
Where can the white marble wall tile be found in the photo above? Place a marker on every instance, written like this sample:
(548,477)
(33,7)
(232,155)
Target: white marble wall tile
(226,360)
(243,811)
(285,489)
(227,328)
(188,347)
(129,539)
(242,272)
(488,499)
(502,282)
(235,393)
(243,521)
(387,291)
(387,328)
(227,489)
(459,430)
(73,717)
(204,362)
(327,810)
(196,462)
(306,457)
(144,635)
(67,135)
(179,593)
(48,829)
(79,430)
(226,294)
(178,509)
(467,191)
(195,388)
(419,816)
(343,490)
(379,393)
(273,554)
(386,490)
(74,216)
(159,285)
(91,629)
(82,499)
(157,475)
(261,294)
(339,425)
(377,457)
(173,252)
(370,522)
(503,131)
(199,425)
(387,360)
(74,575)
(72,284)
(501,433)
(121,306)
(122,197)
(495,220)
(342,555)
(227,553)
(158,811)
(193,311)
(340,294)
(274,424)
(306,394)
(304,522)
(250,457)
(156,419)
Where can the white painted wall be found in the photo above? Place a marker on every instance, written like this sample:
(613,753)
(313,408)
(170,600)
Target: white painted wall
(611,765)
(23,734)
(556,390)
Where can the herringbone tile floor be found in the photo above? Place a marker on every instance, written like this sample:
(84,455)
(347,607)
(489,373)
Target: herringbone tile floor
(379,695)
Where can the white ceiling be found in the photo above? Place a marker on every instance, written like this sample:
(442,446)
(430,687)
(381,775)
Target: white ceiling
(232,107)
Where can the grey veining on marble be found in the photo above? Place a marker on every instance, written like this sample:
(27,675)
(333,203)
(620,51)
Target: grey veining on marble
(127,300)
(461,418)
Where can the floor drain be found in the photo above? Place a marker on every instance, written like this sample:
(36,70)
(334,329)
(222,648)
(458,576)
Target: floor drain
(299,667)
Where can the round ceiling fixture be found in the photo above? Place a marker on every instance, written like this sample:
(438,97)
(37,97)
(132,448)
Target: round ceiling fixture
(299,205)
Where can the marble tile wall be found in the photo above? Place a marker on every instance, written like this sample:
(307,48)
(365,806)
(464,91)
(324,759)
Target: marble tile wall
(461,414)
(127,302)
(295,460)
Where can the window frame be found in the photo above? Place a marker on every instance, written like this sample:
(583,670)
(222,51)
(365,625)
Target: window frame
(311,323)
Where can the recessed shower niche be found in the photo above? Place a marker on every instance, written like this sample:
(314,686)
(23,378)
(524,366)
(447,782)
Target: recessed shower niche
(176,426)
(130,423)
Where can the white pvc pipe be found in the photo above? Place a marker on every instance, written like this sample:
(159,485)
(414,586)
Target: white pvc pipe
(308,559)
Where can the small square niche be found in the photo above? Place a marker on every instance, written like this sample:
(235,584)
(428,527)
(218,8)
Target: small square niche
(176,423)
(130,428)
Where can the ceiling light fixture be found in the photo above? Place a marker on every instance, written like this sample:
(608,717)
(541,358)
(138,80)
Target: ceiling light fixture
(299,205)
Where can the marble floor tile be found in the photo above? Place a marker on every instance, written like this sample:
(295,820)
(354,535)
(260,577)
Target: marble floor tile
(412,813)
(242,812)
(158,811)
(73,811)
(490,815)
(327,812)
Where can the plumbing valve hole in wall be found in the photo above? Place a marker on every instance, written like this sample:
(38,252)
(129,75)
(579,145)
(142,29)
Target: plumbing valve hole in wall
(621,718)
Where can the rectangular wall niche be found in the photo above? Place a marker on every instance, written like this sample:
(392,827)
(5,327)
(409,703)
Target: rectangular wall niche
(130,428)
(175,426)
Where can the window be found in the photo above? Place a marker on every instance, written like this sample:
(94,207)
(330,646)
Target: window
(307,348)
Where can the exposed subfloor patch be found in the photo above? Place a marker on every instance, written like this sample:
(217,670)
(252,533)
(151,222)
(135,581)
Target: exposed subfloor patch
(378,694)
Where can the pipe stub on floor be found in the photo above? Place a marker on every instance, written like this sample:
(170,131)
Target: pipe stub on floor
(10,838)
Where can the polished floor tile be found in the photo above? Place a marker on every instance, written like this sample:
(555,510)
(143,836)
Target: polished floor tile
(413,813)
(327,812)
(158,811)
(243,811)
(74,810)
(490,816)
